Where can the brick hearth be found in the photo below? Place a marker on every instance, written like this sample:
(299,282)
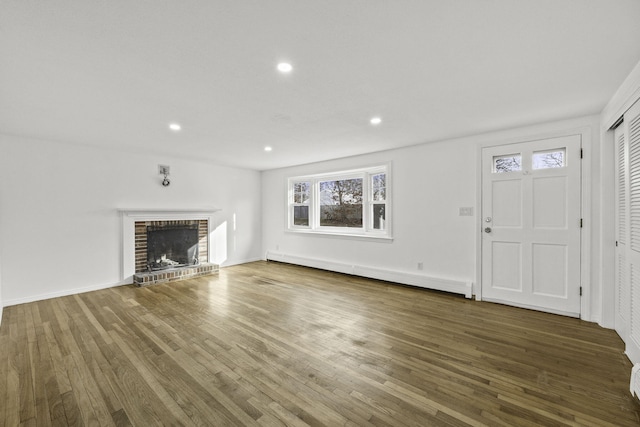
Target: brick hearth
(162,276)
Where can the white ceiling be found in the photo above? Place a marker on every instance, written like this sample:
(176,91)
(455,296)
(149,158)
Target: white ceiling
(116,73)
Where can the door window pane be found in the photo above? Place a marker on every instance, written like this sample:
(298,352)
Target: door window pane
(509,163)
(549,159)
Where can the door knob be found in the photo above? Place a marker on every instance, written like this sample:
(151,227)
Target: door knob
(487,230)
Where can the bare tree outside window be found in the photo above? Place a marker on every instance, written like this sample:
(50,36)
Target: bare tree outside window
(548,160)
(511,163)
(301,192)
(379,196)
(379,184)
(341,203)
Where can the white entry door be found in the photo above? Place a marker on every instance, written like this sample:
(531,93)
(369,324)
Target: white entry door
(531,224)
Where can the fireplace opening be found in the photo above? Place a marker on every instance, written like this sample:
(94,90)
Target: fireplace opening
(172,246)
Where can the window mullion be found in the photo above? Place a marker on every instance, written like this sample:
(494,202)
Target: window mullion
(366,201)
(314,204)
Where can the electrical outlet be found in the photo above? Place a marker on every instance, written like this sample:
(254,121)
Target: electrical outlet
(163,169)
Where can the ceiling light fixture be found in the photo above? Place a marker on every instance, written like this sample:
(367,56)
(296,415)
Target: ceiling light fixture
(375,121)
(268,148)
(285,67)
(175,127)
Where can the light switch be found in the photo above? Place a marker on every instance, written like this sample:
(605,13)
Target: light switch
(466,211)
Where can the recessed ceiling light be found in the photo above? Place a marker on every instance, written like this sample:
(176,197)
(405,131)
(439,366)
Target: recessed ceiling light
(284,67)
(268,148)
(375,121)
(175,127)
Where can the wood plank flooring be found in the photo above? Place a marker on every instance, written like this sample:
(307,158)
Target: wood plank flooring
(271,344)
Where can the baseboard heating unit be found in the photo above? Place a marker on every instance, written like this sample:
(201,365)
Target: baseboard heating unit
(419,280)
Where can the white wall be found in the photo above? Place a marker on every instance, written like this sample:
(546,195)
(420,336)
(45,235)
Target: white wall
(430,183)
(62,200)
(426,225)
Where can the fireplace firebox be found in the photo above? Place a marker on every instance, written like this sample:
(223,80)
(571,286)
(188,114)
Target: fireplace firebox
(172,246)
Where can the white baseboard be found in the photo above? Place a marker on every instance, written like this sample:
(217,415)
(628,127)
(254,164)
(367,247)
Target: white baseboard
(63,293)
(244,261)
(420,280)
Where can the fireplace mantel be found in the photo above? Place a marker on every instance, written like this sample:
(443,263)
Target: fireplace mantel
(129,217)
(160,214)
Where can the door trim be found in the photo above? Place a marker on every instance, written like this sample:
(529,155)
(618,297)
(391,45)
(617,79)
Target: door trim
(553,131)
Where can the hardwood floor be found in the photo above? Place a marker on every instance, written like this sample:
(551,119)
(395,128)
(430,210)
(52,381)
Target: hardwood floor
(273,344)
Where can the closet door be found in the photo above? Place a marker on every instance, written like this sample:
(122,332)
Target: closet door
(622,286)
(628,229)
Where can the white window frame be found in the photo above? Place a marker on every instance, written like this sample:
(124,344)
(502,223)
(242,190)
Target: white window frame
(293,204)
(367,230)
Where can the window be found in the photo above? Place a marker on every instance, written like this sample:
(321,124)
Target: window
(549,159)
(301,203)
(509,163)
(341,203)
(354,202)
(378,200)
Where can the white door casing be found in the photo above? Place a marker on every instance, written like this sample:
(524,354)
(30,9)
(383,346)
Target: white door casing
(531,219)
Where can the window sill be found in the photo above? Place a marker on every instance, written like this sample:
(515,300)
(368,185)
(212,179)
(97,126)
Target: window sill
(363,236)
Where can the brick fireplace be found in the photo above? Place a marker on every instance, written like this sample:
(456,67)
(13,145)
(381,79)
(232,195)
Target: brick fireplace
(142,228)
(182,251)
